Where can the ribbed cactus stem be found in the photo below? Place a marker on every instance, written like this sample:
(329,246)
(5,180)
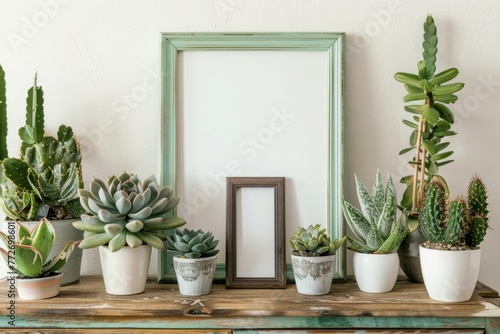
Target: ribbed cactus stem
(3,117)
(462,223)
(458,222)
(478,208)
(434,213)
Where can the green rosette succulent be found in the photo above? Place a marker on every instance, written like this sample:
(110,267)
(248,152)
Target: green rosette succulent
(192,244)
(126,211)
(313,241)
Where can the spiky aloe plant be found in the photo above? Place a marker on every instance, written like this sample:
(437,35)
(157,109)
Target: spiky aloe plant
(45,179)
(192,244)
(313,241)
(431,121)
(126,211)
(457,222)
(28,254)
(376,225)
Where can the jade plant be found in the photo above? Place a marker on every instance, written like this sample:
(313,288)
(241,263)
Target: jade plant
(192,244)
(125,211)
(44,180)
(27,253)
(431,120)
(313,241)
(457,224)
(376,225)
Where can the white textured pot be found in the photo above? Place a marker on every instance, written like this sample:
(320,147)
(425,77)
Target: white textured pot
(38,288)
(313,274)
(125,271)
(376,273)
(65,231)
(195,276)
(450,276)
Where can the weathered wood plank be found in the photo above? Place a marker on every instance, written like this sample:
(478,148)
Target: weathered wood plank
(161,306)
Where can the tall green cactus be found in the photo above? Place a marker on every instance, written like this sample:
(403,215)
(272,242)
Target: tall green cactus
(45,179)
(3,117)
(478,210)
(459,222)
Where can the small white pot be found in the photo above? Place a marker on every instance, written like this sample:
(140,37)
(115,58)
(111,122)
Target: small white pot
(313,274)
(450,276)
(125,271)
(65,231)
(376,273)
(38,288)
(195,276)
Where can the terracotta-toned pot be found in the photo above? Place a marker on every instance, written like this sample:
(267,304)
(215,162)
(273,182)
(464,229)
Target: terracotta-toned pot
(38,288)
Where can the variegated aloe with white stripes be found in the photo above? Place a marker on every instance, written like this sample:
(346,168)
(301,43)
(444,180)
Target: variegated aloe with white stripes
(126,211)
(376,225)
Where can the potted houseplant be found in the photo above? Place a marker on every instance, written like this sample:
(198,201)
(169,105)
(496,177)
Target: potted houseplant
(451,257)
(126,217)
(195,259)
(43,181)
(430,123)
(379,232)
(27,254)
(313,257)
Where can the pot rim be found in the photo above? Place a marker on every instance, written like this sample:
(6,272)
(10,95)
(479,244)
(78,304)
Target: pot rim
(421,246)
(57,274)
(180,259)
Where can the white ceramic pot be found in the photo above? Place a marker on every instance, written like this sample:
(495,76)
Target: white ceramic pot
(376,273)
(125,271)
(38,288)
(450,276)
(195,276)
(65,232)
(313,274)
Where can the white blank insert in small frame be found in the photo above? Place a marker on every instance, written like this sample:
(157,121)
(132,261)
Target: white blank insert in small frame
(255,232)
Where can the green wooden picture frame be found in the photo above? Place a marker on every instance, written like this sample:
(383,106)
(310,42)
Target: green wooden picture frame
(332,44)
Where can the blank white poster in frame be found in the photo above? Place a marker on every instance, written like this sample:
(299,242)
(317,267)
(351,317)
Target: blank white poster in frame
(253,104)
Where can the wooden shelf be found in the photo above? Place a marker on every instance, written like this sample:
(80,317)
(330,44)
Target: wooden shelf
(161,306)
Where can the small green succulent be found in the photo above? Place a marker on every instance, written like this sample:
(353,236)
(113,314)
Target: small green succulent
(313,241)
(192,244)
(126,211)
(458,222)
(376,225)
(26,252)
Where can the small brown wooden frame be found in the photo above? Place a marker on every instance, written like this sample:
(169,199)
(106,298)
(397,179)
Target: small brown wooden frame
(279,279)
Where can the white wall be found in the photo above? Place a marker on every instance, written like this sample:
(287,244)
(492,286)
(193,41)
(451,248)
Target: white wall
(94,59)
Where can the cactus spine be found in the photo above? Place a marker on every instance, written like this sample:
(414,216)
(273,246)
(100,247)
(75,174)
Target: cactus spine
(459,222)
